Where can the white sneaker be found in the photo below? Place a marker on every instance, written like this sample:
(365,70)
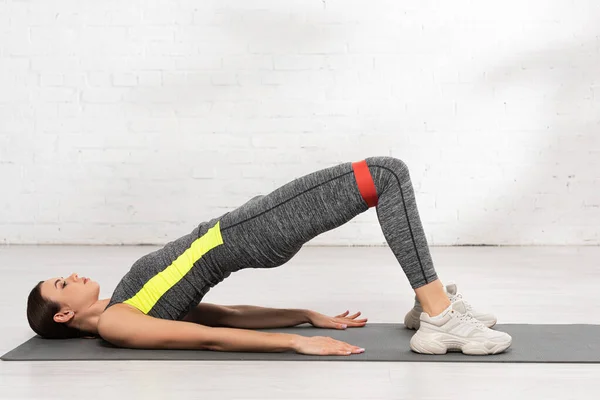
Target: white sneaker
(457,330)
(412,318)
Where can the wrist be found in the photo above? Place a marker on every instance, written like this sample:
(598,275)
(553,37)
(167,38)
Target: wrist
(294,341)
(307,316)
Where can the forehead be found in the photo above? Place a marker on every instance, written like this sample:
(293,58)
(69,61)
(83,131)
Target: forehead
(48,289)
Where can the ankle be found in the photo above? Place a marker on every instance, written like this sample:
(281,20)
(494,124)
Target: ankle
(433,298)
(436,308)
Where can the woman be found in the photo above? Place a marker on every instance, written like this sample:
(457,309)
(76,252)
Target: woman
(157,303)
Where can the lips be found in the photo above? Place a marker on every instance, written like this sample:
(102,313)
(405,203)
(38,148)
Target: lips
(85,280)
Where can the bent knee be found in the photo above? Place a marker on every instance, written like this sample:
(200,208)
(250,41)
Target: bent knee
(393,163)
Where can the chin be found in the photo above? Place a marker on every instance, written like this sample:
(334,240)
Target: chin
(95,289)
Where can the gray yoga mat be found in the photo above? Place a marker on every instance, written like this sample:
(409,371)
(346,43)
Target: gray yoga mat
(382,342)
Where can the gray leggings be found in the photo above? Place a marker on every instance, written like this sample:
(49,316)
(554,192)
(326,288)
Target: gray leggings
(269,230)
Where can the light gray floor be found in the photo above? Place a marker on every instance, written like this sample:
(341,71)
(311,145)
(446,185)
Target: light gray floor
(524,285)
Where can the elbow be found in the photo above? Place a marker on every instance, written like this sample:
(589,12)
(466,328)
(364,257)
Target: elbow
(230,318)
(213,339)
(117,342)
(125,341)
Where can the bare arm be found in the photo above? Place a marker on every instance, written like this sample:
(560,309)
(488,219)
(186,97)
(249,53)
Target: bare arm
(125,327)
(246,316)
(255,317)
(208,314)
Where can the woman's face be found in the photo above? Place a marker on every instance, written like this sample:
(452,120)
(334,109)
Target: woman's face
(74,294)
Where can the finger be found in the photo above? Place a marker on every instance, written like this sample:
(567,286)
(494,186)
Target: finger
(354,349)
(338,348)
(346,320)
(350,349)
(347,345)
(357,322)
(335,352)
(346,313)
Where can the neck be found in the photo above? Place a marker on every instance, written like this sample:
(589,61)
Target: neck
(88,322)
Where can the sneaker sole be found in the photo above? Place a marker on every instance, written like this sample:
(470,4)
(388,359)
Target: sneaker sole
(412,320)
(441,343)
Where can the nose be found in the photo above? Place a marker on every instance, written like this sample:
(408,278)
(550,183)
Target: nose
(74,277)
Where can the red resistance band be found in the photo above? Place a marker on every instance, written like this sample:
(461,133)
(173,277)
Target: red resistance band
(365,183)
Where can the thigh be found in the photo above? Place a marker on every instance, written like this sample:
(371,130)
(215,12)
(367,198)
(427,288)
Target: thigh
(268,230)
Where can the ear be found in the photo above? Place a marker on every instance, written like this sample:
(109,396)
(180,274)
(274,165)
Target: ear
(64,316)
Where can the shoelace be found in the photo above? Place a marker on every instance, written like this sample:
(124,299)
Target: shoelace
(457,297)
(469,319)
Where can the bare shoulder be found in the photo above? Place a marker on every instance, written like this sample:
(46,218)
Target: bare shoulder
(125,326)
(118,310)
(118,321)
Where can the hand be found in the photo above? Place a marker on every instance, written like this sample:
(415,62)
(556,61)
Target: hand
(324,346)
(338,322)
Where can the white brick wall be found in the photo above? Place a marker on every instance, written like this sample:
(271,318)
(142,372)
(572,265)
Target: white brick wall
(131,122)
